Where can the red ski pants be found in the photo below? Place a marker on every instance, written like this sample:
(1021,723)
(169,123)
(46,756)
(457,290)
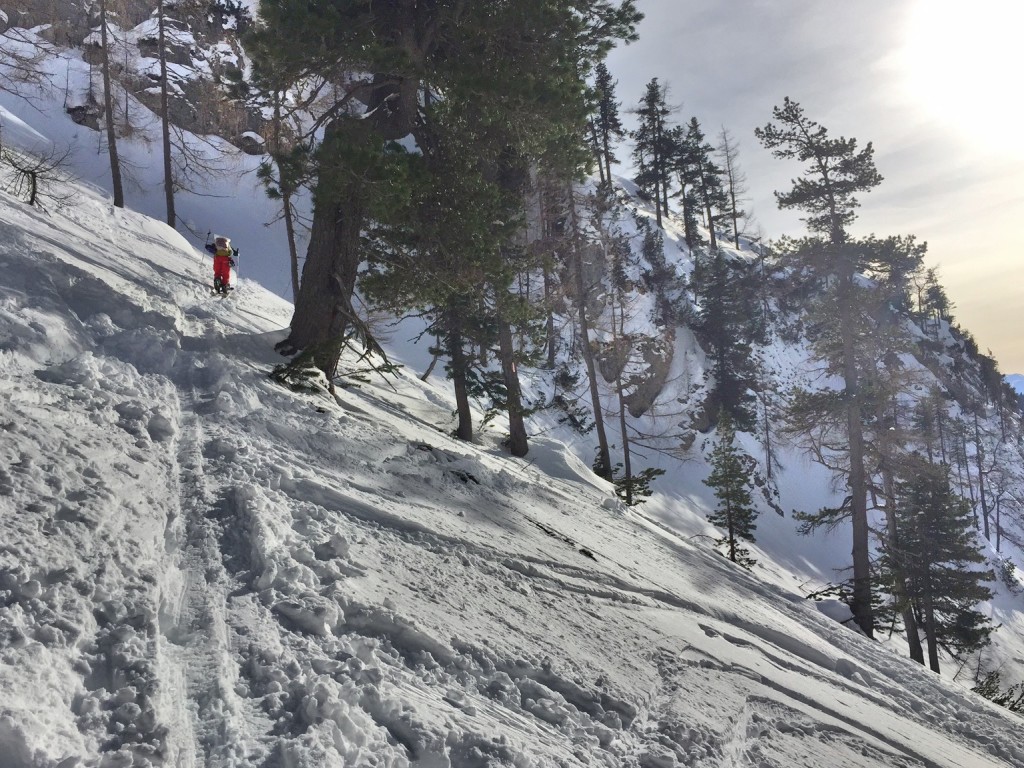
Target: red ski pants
(222,269)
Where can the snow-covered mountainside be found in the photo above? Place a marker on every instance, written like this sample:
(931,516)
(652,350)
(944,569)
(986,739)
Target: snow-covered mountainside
(199,566)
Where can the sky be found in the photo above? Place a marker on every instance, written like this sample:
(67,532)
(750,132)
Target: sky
(933,85)
(202,567)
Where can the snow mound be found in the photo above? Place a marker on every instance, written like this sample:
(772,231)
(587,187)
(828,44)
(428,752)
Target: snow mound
(201,567)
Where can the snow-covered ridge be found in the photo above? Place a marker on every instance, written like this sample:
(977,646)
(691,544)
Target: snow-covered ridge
(201,567)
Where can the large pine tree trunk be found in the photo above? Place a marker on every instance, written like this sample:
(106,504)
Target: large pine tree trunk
(518,444)
(606,152)
(688,234)
(598,151)
(323,308)
(713,238)
(288,189)
(730,516)
(862,608)
(627,463)
(458,365)
(767,440)
(657,168)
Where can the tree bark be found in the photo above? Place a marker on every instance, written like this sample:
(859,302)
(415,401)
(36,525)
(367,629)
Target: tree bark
(627,464)
(108,109)
(518,443)
(165,118)
(603,466)
(857,482)
(549,325)
(458,364)
(900,591)
(599,151)
(323,307)
(933,645)
(979,453)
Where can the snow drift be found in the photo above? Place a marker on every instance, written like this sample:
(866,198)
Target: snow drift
(201,567)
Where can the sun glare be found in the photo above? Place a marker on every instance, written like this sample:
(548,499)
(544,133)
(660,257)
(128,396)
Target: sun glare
(964,65)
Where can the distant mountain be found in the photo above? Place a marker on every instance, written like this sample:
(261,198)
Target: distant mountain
(1016,380)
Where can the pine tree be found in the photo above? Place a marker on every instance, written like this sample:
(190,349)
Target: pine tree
(708,189)
(653,149)
(661,278)
(730,479)
(607,125)
(422,71)
(991,688)
(686,167)
(935,303)
(835,173)
(724,328)
(583,291)
(935,550)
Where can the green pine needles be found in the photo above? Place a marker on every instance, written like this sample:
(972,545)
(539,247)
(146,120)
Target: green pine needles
(730,479)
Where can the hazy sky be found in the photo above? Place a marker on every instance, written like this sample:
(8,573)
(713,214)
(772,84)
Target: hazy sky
(935,85)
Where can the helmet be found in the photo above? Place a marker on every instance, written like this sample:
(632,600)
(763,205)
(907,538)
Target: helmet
(221,242)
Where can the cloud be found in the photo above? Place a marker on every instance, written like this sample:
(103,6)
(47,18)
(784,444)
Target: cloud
(728,64)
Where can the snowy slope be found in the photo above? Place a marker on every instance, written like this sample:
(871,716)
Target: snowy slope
(201,567)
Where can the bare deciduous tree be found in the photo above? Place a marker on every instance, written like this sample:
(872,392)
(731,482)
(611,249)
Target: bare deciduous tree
(33,174)
(21,61)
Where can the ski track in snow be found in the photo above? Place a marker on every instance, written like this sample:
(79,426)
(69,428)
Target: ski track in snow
(204,568)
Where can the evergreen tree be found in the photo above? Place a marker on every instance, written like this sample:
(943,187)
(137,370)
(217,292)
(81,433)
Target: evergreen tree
(607,126)
(935,304)
(835,173)
(991,688)
(686,167)
(724,328)
(935,550)
(583,292)
(653,148)
(625,351)
(419,71)
(660,278)
(845,434)
(708,189)
(730,479)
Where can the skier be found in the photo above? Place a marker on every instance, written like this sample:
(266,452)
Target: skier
(223,261)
